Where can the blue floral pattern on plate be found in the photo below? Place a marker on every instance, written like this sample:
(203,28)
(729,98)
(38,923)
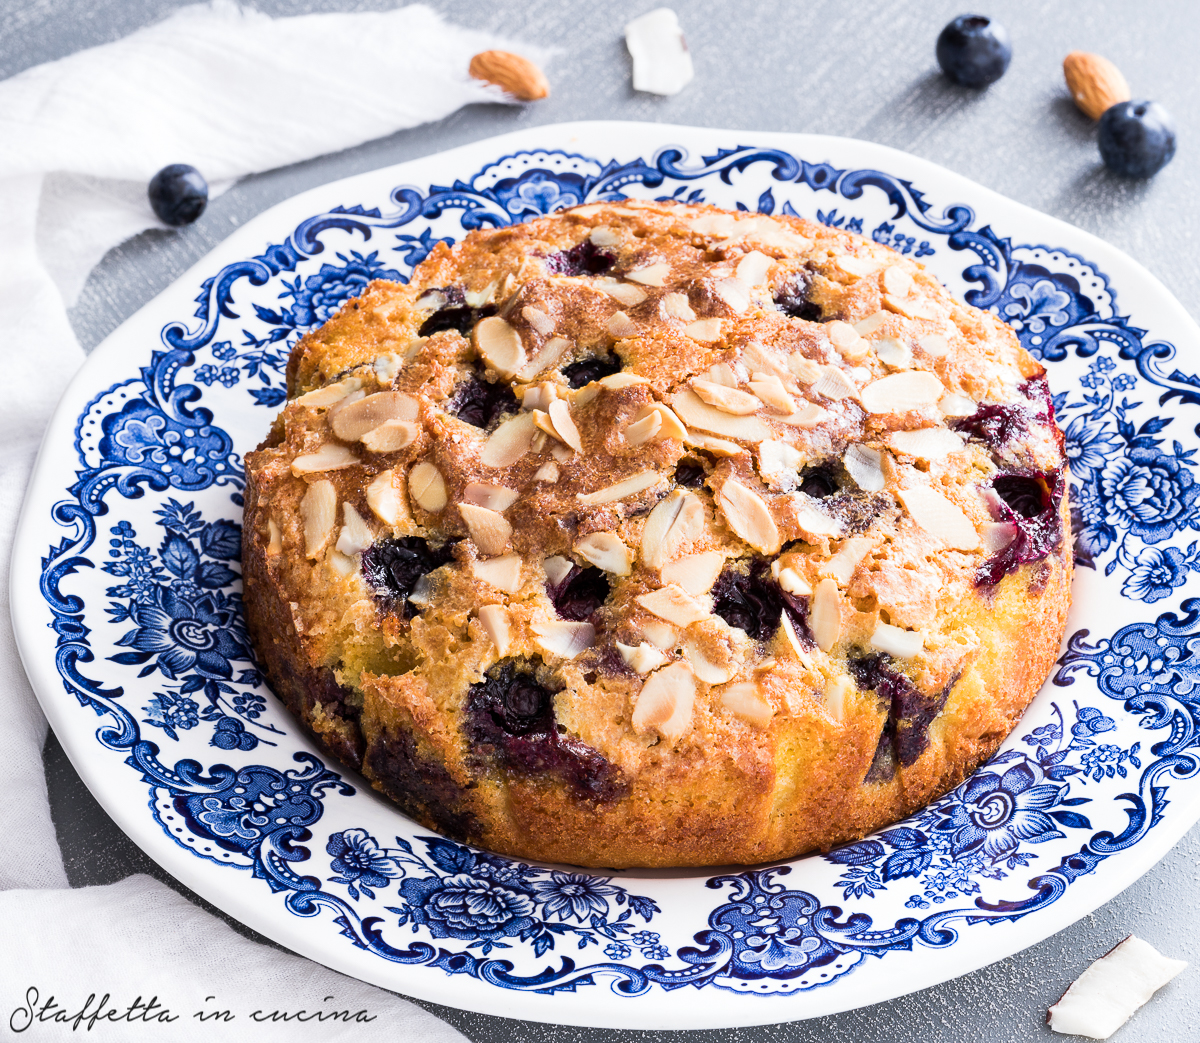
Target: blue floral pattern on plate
(154,464)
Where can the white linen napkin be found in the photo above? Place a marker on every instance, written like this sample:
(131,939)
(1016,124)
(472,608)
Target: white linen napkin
(230,91)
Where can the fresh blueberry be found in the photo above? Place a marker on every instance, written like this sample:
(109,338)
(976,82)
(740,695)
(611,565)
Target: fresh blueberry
(973,51)
(1137,138)
(178,194)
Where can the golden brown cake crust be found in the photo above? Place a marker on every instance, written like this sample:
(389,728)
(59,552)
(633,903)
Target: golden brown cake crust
(652,534)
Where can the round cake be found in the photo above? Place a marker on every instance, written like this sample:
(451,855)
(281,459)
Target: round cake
(651,534)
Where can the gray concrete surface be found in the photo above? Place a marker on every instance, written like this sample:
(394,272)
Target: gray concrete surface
(860,70)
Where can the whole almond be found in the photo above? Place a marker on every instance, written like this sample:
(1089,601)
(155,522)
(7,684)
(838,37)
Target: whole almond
(1094,82)
(511,73)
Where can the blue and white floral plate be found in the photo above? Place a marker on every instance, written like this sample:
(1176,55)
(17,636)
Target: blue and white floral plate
(129,617)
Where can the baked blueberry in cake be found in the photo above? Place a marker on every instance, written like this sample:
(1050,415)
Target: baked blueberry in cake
(649,534)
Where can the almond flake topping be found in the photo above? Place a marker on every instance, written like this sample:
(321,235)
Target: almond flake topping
(672,426)
(743,700)
(934,345)
(871,323)
(638,483)
(493,497)
(330,457)
(716,446)
(551,352)
(675,520)
(812,519)
(896,641)
(606,551)
(726,399)
(565,639)
(892,353)
(996,535)
(939,517)
(318,511)
(500,345)
(856,266)
(643,430)
(329,394)
(825,615)
(617,381)
(496,622)
(665,702)
(807,371)
(833,383)
(391,435)
(509,442)
(775,457)
(897,281)
(911,308)
(676,305)
(769,388)
(539,396)
(926,443)
(793,583)
(643,658)
(356,535)
(902,392)
(697,413)
(556,568)
(695,573)
(735,293)
(837,691)
(620,325)
(621,292)
(842,565)
(865,466)
(849,343)
(753,267)
(747,514)
(707,331)
(538,319)
(651,274)
(704,668)
(503,573)
(674,604)
(489,530)
(957,405)
(793,639)
(274,537)
(603,236)
(548,472)
(564,427)
(427,488)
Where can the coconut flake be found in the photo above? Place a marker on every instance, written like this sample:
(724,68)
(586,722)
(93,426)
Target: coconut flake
(661,62)
(1106,995)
